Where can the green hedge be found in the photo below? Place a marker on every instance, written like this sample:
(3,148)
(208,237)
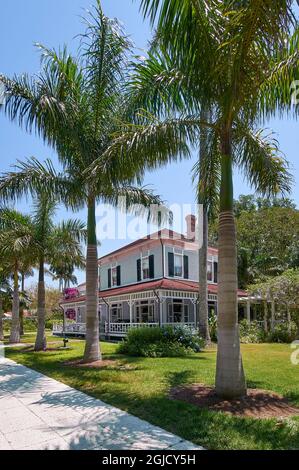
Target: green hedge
(165,341)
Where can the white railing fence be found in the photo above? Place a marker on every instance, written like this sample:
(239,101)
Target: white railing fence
(69,328)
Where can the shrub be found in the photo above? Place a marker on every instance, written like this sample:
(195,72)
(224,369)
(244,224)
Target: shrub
(251,332)
(213,327)
(282,333)
(30,324)
(167,341)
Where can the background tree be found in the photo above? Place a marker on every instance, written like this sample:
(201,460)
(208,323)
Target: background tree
(76,105)
(224,56)
(15,246)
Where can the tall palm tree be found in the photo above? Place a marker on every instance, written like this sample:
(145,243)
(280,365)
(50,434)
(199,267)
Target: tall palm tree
(230,49)
(221,55)
(76,106)
(15,246)
(48,240)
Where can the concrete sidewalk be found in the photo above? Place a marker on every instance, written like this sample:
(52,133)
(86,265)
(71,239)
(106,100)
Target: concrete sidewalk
(37,412)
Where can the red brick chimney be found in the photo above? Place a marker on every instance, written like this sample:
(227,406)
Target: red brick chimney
(191,226)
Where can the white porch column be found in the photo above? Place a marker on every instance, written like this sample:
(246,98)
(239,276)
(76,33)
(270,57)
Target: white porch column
(272,314)
(131,309)
(248,310)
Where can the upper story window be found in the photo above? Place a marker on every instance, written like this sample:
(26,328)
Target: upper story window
(212,271)
(114,276)
(145,273)
(178,264)
(145,267)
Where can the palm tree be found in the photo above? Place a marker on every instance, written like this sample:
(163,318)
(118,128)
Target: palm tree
(4,293)
(15,245)
(48,241)
(221,54)
(76,105)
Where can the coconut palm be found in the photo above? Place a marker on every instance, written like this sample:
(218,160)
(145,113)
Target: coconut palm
(220,54)
(15,246)
(76,106)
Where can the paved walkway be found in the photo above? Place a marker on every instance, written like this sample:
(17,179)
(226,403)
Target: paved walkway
(37,412)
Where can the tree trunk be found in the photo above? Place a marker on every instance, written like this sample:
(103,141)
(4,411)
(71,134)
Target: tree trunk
(22,309)
(1,321)
(15,320)
(41,342)
(230,378)
(289,318)
(92,346)
(266,316)
(203,313)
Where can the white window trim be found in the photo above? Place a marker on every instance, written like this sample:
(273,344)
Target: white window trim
(142,257)
(178,252)
(212,259)
(151,306)
(183,305)
(112,267)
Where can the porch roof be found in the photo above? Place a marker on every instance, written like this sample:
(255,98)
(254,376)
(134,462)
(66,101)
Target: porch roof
(165,283)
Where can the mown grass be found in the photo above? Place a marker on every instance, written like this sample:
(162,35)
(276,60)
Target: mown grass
(141,388)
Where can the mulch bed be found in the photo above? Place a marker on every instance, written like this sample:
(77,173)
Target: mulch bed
(91,365)
(257,404)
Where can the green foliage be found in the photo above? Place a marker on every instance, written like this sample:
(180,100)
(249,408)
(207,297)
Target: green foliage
(283,333)
(213,327)
(165,341)
(251,332)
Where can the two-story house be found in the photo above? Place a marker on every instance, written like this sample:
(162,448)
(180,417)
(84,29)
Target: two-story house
(152,281)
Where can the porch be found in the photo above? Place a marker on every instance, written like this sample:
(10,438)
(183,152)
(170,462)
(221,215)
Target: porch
(147,309)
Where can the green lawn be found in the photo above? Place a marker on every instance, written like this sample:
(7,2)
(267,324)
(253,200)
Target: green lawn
(142,389)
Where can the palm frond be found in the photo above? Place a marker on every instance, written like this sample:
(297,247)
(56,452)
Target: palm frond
(258,156)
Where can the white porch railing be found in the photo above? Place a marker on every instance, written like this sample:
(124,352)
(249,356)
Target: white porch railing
(122,328)
(75,328)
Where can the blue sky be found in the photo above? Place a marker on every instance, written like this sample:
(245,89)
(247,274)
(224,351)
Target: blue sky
(57,22)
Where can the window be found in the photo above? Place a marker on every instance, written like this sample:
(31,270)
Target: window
(210,271)
(178,265)
(145,267)
(178,312)
(114,276)
(116,313)
(144,312)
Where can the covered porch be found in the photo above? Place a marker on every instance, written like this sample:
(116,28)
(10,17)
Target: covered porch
(148,309)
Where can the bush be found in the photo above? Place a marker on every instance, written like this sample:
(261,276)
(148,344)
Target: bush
(282,333)
(51,321)
(30,324)
(251,332)
(167,341)
(213,327)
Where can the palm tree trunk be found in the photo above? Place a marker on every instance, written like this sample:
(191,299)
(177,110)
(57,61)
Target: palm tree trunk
(230,378)
(15,320)
(1,320)
(40,342)
(203,313)
(22,309)
(92,347)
